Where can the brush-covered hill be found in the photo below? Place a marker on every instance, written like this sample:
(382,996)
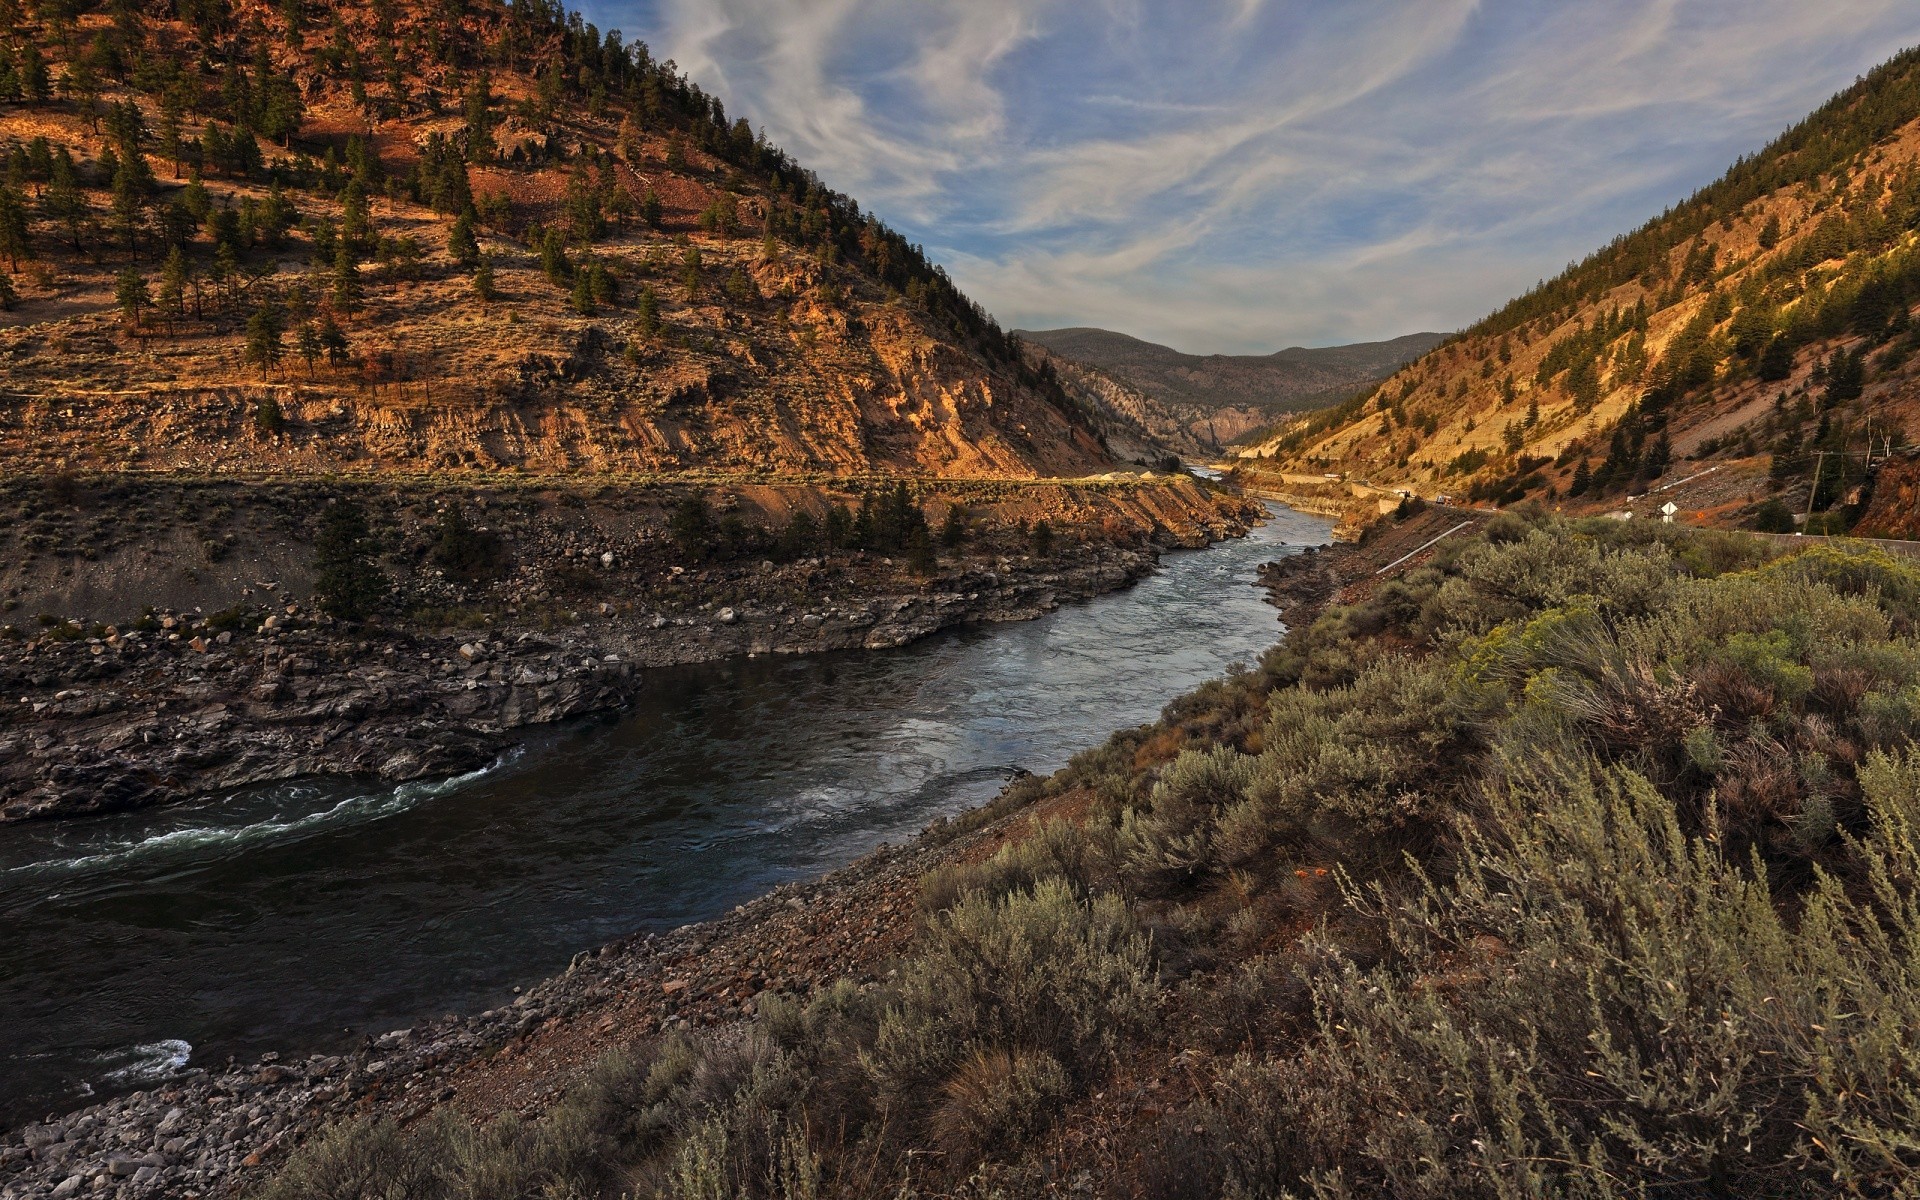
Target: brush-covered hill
(1207,401)
(306,237)
(1757,336)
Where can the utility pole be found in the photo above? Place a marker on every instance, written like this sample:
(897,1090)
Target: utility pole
(1819,460)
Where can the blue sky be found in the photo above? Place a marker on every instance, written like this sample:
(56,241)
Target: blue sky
(1243,175)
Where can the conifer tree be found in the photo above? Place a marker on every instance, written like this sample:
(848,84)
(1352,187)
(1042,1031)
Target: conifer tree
(646,317)
(264,331)
(346,581)
(460,240)
(63,202)
(307,345)
(483,287)
(1042,537)
(692,528)
(172,295)
(130,293)
(347,291)
(13,228)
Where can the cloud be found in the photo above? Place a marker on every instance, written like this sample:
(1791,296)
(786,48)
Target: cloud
(1244,174)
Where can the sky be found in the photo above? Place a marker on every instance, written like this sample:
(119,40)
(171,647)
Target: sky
(1237,176)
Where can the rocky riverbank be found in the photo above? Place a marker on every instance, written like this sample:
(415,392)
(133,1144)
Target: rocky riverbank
(214,1132)
(106,718)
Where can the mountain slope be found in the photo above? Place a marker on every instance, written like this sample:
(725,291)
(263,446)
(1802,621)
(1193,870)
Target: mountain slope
(1757,337)
(297,237)
(1217,398)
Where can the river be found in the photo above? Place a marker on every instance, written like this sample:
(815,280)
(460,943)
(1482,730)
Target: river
(297,917)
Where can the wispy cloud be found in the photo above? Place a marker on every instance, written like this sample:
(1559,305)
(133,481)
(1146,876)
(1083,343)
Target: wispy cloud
(1244,174)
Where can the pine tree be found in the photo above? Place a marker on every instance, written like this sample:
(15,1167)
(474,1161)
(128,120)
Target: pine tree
(347,291)
(460,241)
(553,257)
(920,556)
(13,228)
(1582,479)
(483,287)
(692,528)
(646,318)
(172,297)
(307,345)
(346,581)
(583,302)
(1042,537)
(130,293)
(953,530)
(63,202)
(651,209)
(264,330)
(334,342)
(8,297)
(1776,361)
(690,269)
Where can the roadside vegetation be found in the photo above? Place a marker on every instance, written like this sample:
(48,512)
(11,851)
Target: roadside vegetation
(1580,861)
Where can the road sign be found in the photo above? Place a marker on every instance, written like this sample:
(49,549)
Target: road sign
(1667,510)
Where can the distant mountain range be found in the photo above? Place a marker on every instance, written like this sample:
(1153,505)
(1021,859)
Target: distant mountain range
(1213,399)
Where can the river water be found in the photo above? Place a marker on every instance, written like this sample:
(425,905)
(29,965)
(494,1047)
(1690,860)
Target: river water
(297,917)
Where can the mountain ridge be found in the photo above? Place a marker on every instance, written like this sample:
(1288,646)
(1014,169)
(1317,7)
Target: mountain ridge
(1204,402)
(1748,353)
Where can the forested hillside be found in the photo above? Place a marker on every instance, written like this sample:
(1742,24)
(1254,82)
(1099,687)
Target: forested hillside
(302,236)
(1759,332)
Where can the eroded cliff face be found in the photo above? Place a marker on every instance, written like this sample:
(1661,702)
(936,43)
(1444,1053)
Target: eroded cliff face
(548,393)
(1894,511)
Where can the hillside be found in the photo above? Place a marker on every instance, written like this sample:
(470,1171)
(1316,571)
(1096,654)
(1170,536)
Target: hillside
(1749,352)
(307,238)
(1215,399)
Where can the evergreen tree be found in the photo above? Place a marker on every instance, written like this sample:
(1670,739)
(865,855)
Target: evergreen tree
(347,291)
(267,414)
(690,269)
(953,530)
(1773,517)
(601,284)
(646,318)
(333,342)
(651,209)
(839,527)
(483,286)
(306,342)
(920,556)
(1042,537)
(583,302)
(8,297)
(130,293)
(264,331)
(1582,479)
(63,202)
(801,536)
(172,296)
(460,241)
(1776,361)
(13,228)
(553,257)
(692,528)
(347,582)
(1846,377)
